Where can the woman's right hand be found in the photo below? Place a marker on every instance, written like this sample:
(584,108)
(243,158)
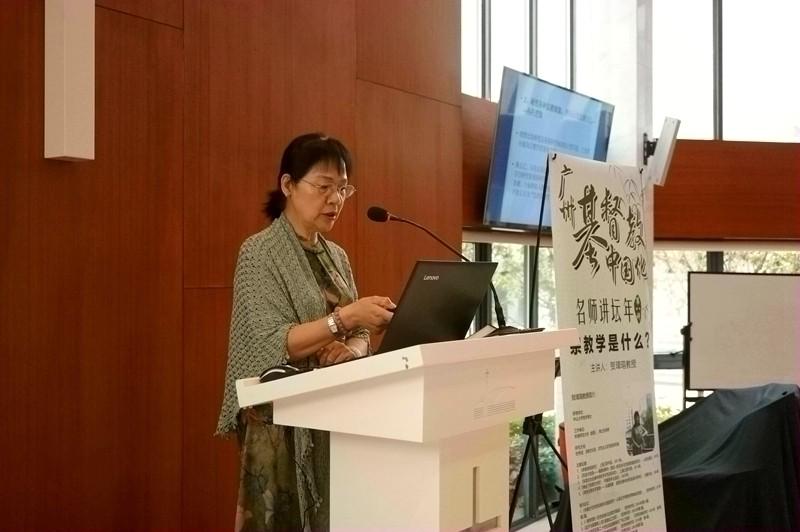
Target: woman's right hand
(372,313)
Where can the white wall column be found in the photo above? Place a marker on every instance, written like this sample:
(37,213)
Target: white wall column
(614,62)
(69,79)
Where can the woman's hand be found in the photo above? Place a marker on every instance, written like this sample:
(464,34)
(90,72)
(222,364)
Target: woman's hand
(372,313)
(334,353)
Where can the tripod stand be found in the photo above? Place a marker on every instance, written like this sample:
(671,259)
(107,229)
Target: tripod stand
(532,427)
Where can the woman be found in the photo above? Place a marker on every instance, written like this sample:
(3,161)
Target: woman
(295,302)
(638,434)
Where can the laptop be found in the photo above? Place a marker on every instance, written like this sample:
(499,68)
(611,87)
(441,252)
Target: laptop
(438,303)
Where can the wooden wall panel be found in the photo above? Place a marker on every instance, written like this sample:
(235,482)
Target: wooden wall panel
(258,74)
(236,127)
(109,391)
(410,147)
(323,85)
(715,190)
(163,11)
(210,471)
(130,329)
(413,45)
(322,68)
(730,190)
(99,377)
(17,26)
(479,117)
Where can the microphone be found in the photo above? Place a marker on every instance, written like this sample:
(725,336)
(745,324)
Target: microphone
(379,214)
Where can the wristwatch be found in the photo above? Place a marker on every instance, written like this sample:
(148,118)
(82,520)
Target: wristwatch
(332,325)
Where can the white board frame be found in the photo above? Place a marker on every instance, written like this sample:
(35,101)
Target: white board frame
(730,348)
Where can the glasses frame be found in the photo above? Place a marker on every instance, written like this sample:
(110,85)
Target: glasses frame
(344,191)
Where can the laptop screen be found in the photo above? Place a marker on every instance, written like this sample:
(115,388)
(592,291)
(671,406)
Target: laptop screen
(438,303)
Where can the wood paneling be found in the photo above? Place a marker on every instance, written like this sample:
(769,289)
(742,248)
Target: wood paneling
(323,85)
(323,68)
(17,372)
(258,74)
(730,190)
(210,470)
(236,127)
(164,11)
(413,45)
(715,190)
(97,374)
(111,363)
(131,298)
(410,147)
(479,117)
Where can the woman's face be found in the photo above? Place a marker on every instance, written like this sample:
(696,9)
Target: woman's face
(314,202)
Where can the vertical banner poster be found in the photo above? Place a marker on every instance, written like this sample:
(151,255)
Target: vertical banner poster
(604,284)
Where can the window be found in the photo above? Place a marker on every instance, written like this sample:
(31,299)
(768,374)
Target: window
(510,45)
(670,314)
(760,84)
(468,250)
(668,384)
(511,282)
(471,48)
(546,294)
(670,293)
(762,261)
(683,66)
(552,41)
(550,467)
(511,42)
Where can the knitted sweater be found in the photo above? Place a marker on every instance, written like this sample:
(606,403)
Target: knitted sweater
(274,289)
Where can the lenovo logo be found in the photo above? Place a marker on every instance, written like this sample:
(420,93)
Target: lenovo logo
(430,278)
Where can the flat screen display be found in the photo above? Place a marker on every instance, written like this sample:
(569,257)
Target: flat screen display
(534,117)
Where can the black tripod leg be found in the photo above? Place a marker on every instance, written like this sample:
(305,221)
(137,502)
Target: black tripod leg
(540,430)
(541,488)
(519,478)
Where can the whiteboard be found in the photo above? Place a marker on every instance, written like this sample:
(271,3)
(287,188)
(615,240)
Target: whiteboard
(744,330)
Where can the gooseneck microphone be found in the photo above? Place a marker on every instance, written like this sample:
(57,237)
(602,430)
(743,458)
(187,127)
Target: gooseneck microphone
(379,214)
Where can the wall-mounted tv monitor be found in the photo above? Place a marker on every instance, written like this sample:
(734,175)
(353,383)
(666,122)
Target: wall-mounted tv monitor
(534,117)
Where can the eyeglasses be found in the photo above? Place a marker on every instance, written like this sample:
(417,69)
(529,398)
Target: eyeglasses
(344,191)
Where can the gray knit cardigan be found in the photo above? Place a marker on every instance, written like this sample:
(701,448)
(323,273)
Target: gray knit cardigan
(274,289)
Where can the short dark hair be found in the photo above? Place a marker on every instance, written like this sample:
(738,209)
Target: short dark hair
(299,157)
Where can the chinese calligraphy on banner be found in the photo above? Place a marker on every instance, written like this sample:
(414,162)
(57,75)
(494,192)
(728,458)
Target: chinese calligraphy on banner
(603,284)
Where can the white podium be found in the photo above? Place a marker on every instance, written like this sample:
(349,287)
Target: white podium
(419,436)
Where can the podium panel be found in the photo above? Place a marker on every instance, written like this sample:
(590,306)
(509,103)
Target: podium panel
(452,484)
(419,436)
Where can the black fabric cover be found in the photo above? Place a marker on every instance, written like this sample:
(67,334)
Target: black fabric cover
(731,462)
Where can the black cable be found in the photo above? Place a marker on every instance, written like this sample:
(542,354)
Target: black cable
(532,300)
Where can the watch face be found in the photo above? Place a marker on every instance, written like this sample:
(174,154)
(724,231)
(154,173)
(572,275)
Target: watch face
(332,324)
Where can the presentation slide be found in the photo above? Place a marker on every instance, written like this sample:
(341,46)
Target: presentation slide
(536,117)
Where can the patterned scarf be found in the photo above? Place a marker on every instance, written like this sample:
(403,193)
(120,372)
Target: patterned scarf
(275,289)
